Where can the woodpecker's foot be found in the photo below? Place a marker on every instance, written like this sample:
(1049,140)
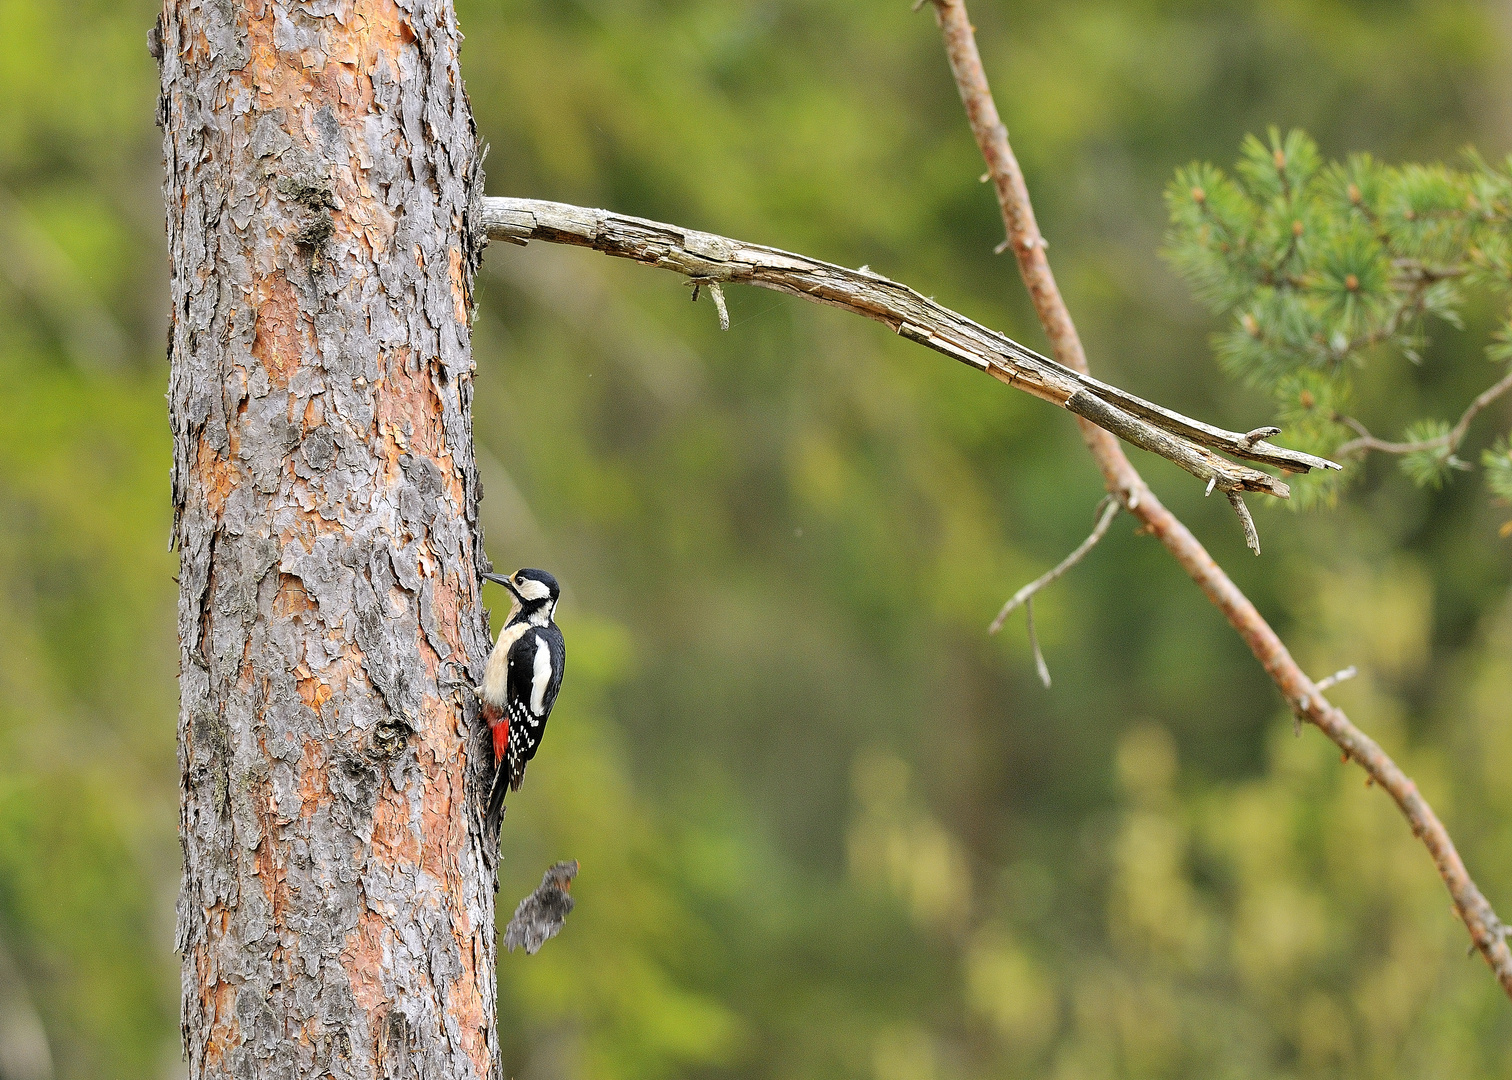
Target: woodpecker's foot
(445,682)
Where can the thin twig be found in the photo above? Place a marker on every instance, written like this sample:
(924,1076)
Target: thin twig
(1123,480)
(1108,510)
(24,1050)
(707,259)
(1449,441)
(1039,656)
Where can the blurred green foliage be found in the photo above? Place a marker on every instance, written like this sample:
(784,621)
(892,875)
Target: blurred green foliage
(827,826)
(1324,267)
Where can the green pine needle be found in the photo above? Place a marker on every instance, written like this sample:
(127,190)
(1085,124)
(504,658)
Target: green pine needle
(1325,267)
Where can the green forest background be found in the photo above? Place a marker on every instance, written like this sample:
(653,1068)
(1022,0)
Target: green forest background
(829,828)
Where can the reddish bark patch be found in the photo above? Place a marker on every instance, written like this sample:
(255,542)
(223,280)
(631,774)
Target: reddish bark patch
(292,600)
(408,417)
(313,788)
(393,839)
(366,957)
(276,344)
(458,278)
(220,1007)
(218,477)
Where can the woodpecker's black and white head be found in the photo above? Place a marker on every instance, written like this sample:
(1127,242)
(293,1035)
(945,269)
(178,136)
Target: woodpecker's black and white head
(534,594)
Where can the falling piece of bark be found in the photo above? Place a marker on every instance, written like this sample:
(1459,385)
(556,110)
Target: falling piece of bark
(540,916)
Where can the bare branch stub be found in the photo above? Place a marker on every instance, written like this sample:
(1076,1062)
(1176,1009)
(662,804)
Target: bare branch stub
(1042,668)
(1487,932)
(1324,685)
(712,260)
(720,305)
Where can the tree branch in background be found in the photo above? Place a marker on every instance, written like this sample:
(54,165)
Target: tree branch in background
(1124,482)
(1337,677)
(24,1052)
(1448,442)
(37,267)
(707,259)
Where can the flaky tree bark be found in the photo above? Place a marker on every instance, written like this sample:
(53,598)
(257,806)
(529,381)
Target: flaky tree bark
(336,916)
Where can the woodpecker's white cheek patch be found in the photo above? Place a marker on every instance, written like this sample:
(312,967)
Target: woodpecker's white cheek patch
(540,678)
(531,589)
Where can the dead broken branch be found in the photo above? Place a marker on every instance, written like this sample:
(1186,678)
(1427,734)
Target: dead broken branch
(708,259)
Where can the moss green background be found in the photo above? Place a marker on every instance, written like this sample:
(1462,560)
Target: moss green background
(829,828)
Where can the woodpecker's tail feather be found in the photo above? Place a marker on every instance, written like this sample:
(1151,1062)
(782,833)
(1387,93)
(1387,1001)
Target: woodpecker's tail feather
(498,740)
(495,817)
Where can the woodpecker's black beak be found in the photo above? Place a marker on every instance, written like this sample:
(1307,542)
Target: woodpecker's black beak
(508,583)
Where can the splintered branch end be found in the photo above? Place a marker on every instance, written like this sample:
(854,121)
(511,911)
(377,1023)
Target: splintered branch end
(1251,534)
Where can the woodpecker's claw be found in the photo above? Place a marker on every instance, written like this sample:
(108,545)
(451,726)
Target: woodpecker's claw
(464,683)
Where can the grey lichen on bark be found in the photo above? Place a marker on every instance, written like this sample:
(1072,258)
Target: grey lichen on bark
(336,913)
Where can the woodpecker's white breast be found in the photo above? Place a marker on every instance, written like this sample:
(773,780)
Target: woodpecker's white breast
(540,676)
(496,671)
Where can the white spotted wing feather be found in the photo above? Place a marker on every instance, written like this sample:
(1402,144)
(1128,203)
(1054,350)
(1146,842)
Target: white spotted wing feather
(535,676)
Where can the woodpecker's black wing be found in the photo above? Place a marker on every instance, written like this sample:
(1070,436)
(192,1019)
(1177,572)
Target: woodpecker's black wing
(535,675)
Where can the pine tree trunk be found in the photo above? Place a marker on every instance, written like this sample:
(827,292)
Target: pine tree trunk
(336,915)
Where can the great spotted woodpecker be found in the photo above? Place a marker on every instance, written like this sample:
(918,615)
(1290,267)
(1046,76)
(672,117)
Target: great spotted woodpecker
(521,679)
